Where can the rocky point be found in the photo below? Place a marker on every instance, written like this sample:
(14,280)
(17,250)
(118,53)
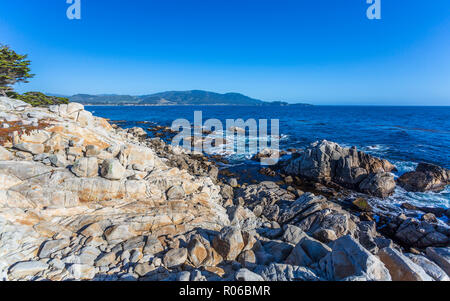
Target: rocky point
(83,200)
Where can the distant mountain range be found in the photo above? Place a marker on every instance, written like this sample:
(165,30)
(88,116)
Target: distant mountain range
(194,97)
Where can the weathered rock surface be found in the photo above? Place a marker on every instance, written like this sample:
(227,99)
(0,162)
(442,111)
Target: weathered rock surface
(308,252)
(5,155)
(229,243)
(85,167)
(28,268)
(112,169)
(441,256)
(264,199)
(348,258)
(246,275)
(328,162)
(175,257)
(421,234)
(401,267)
(286,272)
(429,267)
(313,214)
(61,205)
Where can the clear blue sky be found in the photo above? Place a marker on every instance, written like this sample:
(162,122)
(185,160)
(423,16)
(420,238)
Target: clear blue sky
(316,51)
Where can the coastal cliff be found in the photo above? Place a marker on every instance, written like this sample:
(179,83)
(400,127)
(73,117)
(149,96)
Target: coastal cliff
(81,199)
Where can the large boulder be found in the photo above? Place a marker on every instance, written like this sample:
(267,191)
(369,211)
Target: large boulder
(326,161)
(441,256)
(113,170)
(348,258)
(229,243)
(379,184)
(197,251)
(316,215)
(293,234)
(9,104)
(119,233)
(401,267)
(308,252)
(175,257)
(426,177)
(429,267)
(85,167)
(138,155)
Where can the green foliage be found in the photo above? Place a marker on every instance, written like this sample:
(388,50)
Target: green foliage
(38,99)
(14,68)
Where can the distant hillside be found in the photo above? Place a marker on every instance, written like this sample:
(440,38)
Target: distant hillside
(197,97)
(104,99)
(194,97)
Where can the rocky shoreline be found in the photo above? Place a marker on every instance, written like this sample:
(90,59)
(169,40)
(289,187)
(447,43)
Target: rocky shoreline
(81,199)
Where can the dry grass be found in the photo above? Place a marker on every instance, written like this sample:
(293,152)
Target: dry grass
(6,134)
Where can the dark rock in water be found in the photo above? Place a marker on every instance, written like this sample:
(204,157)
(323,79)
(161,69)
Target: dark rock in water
(329,162)
(268,172)
(426,177)
(268,156)
(138,132)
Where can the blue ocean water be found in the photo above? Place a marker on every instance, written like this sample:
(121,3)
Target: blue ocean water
(403,135)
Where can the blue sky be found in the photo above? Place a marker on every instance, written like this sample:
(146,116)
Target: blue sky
(316,51)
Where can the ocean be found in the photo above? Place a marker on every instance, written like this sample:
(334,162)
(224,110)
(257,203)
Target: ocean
(403,135)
